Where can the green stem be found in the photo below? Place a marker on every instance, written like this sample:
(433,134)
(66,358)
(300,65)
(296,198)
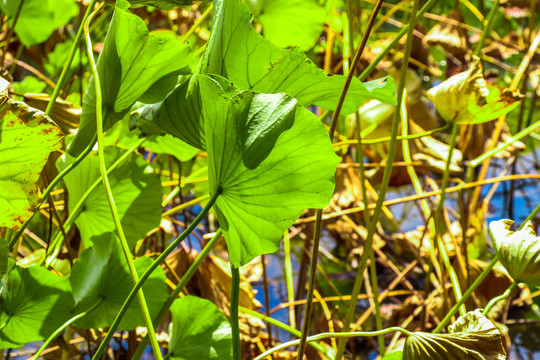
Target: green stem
(376,303)
(476,282)
(235,325)
(393,43)
(285,327)
(311,285)
(204,15)
(439,221)
(513,139)
(503,296)
(108,191)
(58,331)
(185,205)
(318,223)
(151,269)
(355,62)
(487,29)
(76,210)
(387,138)
(178,289)
(289,277)
(267,300)
(531,216)
(368,244)
(466,295)
(342,335)
(69,60)
(361,168)
(348,43)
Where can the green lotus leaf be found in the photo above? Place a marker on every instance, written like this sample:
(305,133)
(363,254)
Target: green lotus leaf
(38,19)
(121,136)
(471,337)
(131,61)
(288,23)
(237,52)
(101,275)
(394,355)
(168,144)
(199,330)
(57,58)
(27,137)
(518,252)
(33,304)
(466,98)
(267,182)
(135,187)
(180,113)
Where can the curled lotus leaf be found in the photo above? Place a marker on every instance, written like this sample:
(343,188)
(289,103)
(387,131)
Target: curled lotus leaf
(466,98)
(472,336)
(518,251)
(473,321)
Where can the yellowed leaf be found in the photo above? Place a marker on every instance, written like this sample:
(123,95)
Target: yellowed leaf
(466,98)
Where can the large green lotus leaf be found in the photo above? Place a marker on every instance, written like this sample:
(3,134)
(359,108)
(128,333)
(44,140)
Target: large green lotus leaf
(236,51)
(33,304)
(471,337)
(518,252)
(132,59)
(288,23)
(38,18)
(27,137)
(199,330)
(136,190)
(121,136)
(179,114)
(101,275)
(466,98)
(269,170)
